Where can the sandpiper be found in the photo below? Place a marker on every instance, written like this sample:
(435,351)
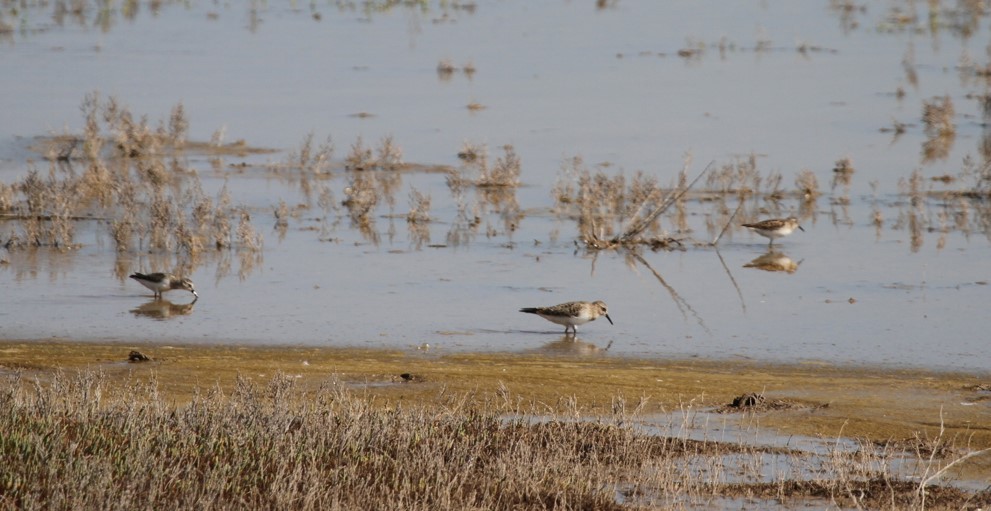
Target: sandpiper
(775,228)
(571,314)
(162,282)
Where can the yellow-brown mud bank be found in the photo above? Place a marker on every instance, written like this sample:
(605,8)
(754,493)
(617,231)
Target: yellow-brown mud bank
(820,399)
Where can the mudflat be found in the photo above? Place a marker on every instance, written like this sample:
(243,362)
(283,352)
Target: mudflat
(814,399)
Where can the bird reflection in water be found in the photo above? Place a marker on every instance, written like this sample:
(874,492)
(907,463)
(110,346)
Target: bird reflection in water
(162,309)
(774,261)
(569,345)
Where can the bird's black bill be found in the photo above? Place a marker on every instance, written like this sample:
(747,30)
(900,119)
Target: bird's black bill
(800,228)
(610,320)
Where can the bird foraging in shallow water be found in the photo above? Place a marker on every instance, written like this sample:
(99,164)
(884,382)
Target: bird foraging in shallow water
(162,282)
(571,314)
(775,228)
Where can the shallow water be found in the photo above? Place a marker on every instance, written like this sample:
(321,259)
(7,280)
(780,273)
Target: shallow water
(798,85)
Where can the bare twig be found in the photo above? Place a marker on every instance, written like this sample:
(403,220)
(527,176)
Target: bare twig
(638,228)
(678,300)
(728,223)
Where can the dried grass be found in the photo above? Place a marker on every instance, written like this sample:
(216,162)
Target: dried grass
(79,442)
(149,202)
(612,213)
(419,209)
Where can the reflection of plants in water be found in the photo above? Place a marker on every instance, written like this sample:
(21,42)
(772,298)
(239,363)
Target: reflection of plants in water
(926,210)
(495,192)
(937,117)
(46,210)
(419,207)
(361,199)
(418,218)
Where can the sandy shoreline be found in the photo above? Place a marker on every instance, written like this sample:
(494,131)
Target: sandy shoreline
(810,399)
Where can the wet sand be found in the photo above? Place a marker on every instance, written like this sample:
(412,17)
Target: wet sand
(814,399)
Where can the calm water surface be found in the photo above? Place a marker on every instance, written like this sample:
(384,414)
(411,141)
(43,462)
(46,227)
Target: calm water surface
(885,275)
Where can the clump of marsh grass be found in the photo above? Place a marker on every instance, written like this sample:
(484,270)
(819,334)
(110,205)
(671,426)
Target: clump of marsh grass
(360,157)
(495,192)
(506,171)
(740,177)
(471,151)
(151,203)
(612,213)
(47,212)
(388,156)
(310,159)
(361,199)
(477,171)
